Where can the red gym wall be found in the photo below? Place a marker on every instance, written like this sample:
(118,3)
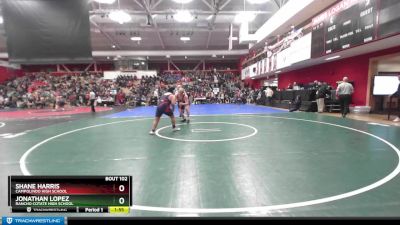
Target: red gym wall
(8,73)
(189,65)
(356,68)
(255,84)
(72,67)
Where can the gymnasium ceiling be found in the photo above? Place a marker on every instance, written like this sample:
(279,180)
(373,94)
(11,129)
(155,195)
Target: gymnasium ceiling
(153,21)
(162,32)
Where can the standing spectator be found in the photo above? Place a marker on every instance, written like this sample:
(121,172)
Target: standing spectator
(92,98)
(322,90)
(397,94)
(316,85)
(72,99)
(344,92)
(296,86)
(269,93)
(155,93)
(120,98)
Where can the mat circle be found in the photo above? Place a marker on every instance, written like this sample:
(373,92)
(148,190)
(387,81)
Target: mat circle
(255,131)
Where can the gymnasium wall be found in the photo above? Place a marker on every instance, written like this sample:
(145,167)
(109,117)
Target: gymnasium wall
(9,73)
(189,65)
(356,68)
(71,67)
(255,84)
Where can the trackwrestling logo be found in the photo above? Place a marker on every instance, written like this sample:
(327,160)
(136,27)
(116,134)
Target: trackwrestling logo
(33,220)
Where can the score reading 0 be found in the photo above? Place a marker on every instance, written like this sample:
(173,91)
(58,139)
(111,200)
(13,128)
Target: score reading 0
(121,188)
(87,194)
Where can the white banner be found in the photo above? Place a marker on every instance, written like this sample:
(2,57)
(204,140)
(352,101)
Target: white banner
(9,65)
(111,75)
(298,51)
(266,61)
(253,70)
(245,73)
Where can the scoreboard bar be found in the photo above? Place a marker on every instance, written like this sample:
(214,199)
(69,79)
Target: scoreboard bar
(22,209)
(78,194)
(78,209)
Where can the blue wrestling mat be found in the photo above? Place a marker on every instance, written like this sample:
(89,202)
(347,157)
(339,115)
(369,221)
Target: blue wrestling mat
(203,109)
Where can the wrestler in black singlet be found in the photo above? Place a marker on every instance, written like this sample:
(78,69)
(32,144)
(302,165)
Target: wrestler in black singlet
(165,106)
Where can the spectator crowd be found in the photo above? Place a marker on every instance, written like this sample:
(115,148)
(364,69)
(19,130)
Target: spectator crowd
(42,90)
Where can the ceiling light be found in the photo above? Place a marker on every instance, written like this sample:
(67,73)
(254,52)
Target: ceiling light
(136,38)
(183,16)
(185,57)
(278,71)
(168,56)
(108,57)
(223,57)
(333,57)
(105,1)
(182,1)
(244,17)
(185,38)
(113,46)
(154,16)
(257,1)
(209,17)
(214,56)
(143,63)
(120,16)
(1,20)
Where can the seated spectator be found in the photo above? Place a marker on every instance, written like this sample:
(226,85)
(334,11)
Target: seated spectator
(1,101)
(30,103)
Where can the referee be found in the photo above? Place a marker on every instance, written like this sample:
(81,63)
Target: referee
(92,98)
(344,92)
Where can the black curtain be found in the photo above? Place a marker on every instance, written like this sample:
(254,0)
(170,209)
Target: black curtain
(47,31)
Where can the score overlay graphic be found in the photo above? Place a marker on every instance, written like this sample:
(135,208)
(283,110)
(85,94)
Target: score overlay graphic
(75,194)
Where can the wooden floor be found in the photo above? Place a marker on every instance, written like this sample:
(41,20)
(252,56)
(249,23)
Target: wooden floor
(371,118)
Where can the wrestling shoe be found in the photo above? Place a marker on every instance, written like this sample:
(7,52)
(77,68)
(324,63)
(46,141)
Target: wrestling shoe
(176,129)
(152,132)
